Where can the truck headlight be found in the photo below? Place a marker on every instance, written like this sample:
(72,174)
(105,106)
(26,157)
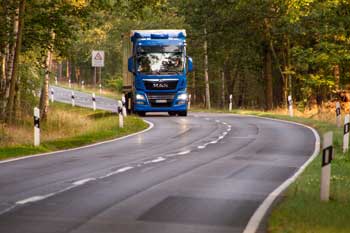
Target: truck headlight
(140,97)
(183,96)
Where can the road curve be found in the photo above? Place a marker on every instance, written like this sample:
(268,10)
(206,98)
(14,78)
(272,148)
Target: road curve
(201,173)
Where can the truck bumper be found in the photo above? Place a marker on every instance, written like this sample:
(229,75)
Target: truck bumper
(148,108)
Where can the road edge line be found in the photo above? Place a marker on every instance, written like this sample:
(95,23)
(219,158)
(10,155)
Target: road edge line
(150,126)
(259,214)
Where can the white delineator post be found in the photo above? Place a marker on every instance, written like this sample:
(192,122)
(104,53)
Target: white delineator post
(120,114)
(52,95)
(82,84)
(73,99)
(230,104)
(124,104)
(36,126)
(189,102)
(290,106)
(94,101)
(56,82)
(100,88)
(346,133)
(69,83)
(327,156)
(337,113)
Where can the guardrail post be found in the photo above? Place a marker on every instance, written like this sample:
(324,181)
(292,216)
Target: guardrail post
(36,126)
(189,101)
(94,101)
(230,104)
(124,104)
(290,106)
(73,99)
(338,113)
(346,133)
(327,156)
(52,95)
(120,113)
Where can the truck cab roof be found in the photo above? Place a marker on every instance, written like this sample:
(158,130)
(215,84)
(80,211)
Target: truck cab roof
(158,34)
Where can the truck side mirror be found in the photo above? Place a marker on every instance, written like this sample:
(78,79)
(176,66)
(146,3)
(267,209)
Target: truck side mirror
(131,65)
(189,64)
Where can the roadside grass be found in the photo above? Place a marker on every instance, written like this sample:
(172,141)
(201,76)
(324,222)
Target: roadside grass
(90,89)
(300,210)
(65,128)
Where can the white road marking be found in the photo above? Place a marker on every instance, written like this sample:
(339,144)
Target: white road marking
(31,199)
(84,181)
(157,160)
(201,147)
(120,170)
(184,152)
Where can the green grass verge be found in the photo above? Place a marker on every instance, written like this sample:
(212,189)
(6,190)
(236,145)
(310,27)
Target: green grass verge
(101,126)
(300,210)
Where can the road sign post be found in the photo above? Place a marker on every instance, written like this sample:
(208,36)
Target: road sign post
(52,95)
(97,61)
(338,113)
(327,156)
(73,99)
(290,106)
(36,126)
(94,101)
(346,133)
(124,106)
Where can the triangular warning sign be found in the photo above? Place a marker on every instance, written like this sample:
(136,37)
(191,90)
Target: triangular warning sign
(98,56)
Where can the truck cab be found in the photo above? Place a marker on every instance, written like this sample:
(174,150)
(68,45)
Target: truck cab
(159,65)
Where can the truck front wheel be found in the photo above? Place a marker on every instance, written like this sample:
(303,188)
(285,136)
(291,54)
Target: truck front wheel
(141,114)
(183,113)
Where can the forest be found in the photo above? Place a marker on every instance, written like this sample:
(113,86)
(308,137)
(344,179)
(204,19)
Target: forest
(260,51)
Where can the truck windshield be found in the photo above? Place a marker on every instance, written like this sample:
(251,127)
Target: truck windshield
(160,59)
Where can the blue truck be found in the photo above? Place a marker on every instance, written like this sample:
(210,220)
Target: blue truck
(157,67)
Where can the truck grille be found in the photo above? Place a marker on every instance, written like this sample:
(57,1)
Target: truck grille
(161,99)
(160,84)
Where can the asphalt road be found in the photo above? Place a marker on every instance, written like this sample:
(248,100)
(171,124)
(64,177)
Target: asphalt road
(201,173)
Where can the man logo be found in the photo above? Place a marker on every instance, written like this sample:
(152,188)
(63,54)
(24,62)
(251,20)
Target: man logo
(160,85)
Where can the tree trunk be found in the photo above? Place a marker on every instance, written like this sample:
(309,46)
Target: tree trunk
(223,88)
(59,71)
(206,76)
(68,71)
(194,97)
(268,78)
(336,72)
(14,73)
(44,98)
